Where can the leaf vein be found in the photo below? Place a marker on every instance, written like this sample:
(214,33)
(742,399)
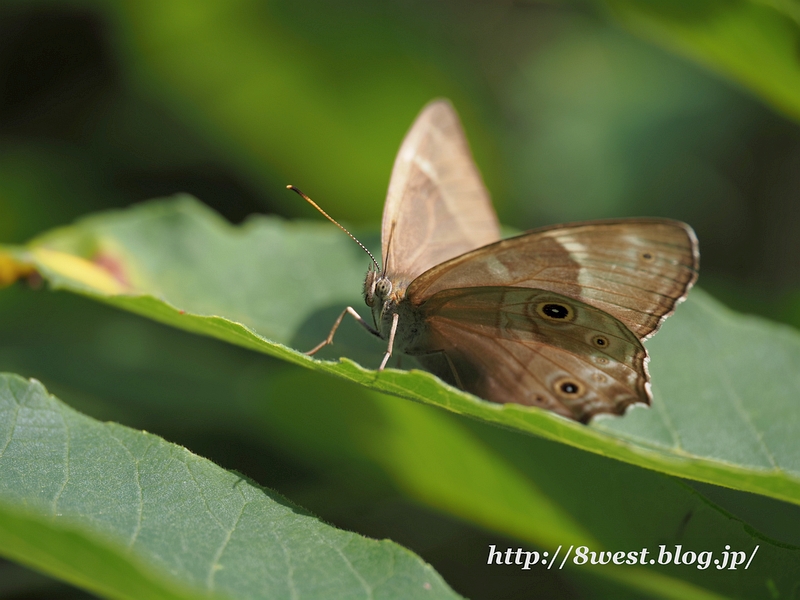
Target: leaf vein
(140,504)
(66,467)
(215,563)
(15,419)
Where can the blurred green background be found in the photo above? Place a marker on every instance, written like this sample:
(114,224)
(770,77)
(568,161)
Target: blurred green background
(570,117)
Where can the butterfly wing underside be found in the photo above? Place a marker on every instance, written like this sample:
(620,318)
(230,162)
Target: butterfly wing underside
(534,347)
(437,206)
(636,270)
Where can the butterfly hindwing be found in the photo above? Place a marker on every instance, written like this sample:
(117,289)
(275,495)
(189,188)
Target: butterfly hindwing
(533,347)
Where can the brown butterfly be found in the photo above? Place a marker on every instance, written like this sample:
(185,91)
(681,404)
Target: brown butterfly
(553,318)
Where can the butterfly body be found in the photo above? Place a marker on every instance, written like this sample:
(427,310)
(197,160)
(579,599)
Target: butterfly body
(553,318)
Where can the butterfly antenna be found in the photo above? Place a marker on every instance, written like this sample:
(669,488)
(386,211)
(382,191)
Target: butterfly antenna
(332,220)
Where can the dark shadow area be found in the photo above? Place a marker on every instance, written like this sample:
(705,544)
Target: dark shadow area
(63,91)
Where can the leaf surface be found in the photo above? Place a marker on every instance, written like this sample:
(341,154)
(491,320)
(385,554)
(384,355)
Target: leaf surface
(523,491)
(752,42)
(128,515)
(724,384)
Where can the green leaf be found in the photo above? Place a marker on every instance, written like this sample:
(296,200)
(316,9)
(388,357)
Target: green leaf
(536,494)
(753,42)
(724,385)
(127,515)
(532,489)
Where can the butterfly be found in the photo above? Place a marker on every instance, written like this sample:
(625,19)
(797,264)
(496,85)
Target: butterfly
(553,318)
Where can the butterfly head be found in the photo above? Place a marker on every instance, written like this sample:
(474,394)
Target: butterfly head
(382,294)
(378,289)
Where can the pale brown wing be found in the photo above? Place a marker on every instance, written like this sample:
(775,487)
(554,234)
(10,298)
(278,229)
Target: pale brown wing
(437,206)
(637,270)
(535,348)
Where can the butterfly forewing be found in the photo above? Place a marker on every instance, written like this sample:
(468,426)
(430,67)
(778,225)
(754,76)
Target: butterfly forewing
(533,347)
(636,270)
(437,206)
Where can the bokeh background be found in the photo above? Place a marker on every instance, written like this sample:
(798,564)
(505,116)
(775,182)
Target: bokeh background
(570,117)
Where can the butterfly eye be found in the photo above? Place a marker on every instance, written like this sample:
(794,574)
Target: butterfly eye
(555,311)
(567,387)
(383,287)
(600,341)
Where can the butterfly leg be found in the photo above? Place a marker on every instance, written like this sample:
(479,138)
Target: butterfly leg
(436,370)
(395,319)
(453,371)
(329,339)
